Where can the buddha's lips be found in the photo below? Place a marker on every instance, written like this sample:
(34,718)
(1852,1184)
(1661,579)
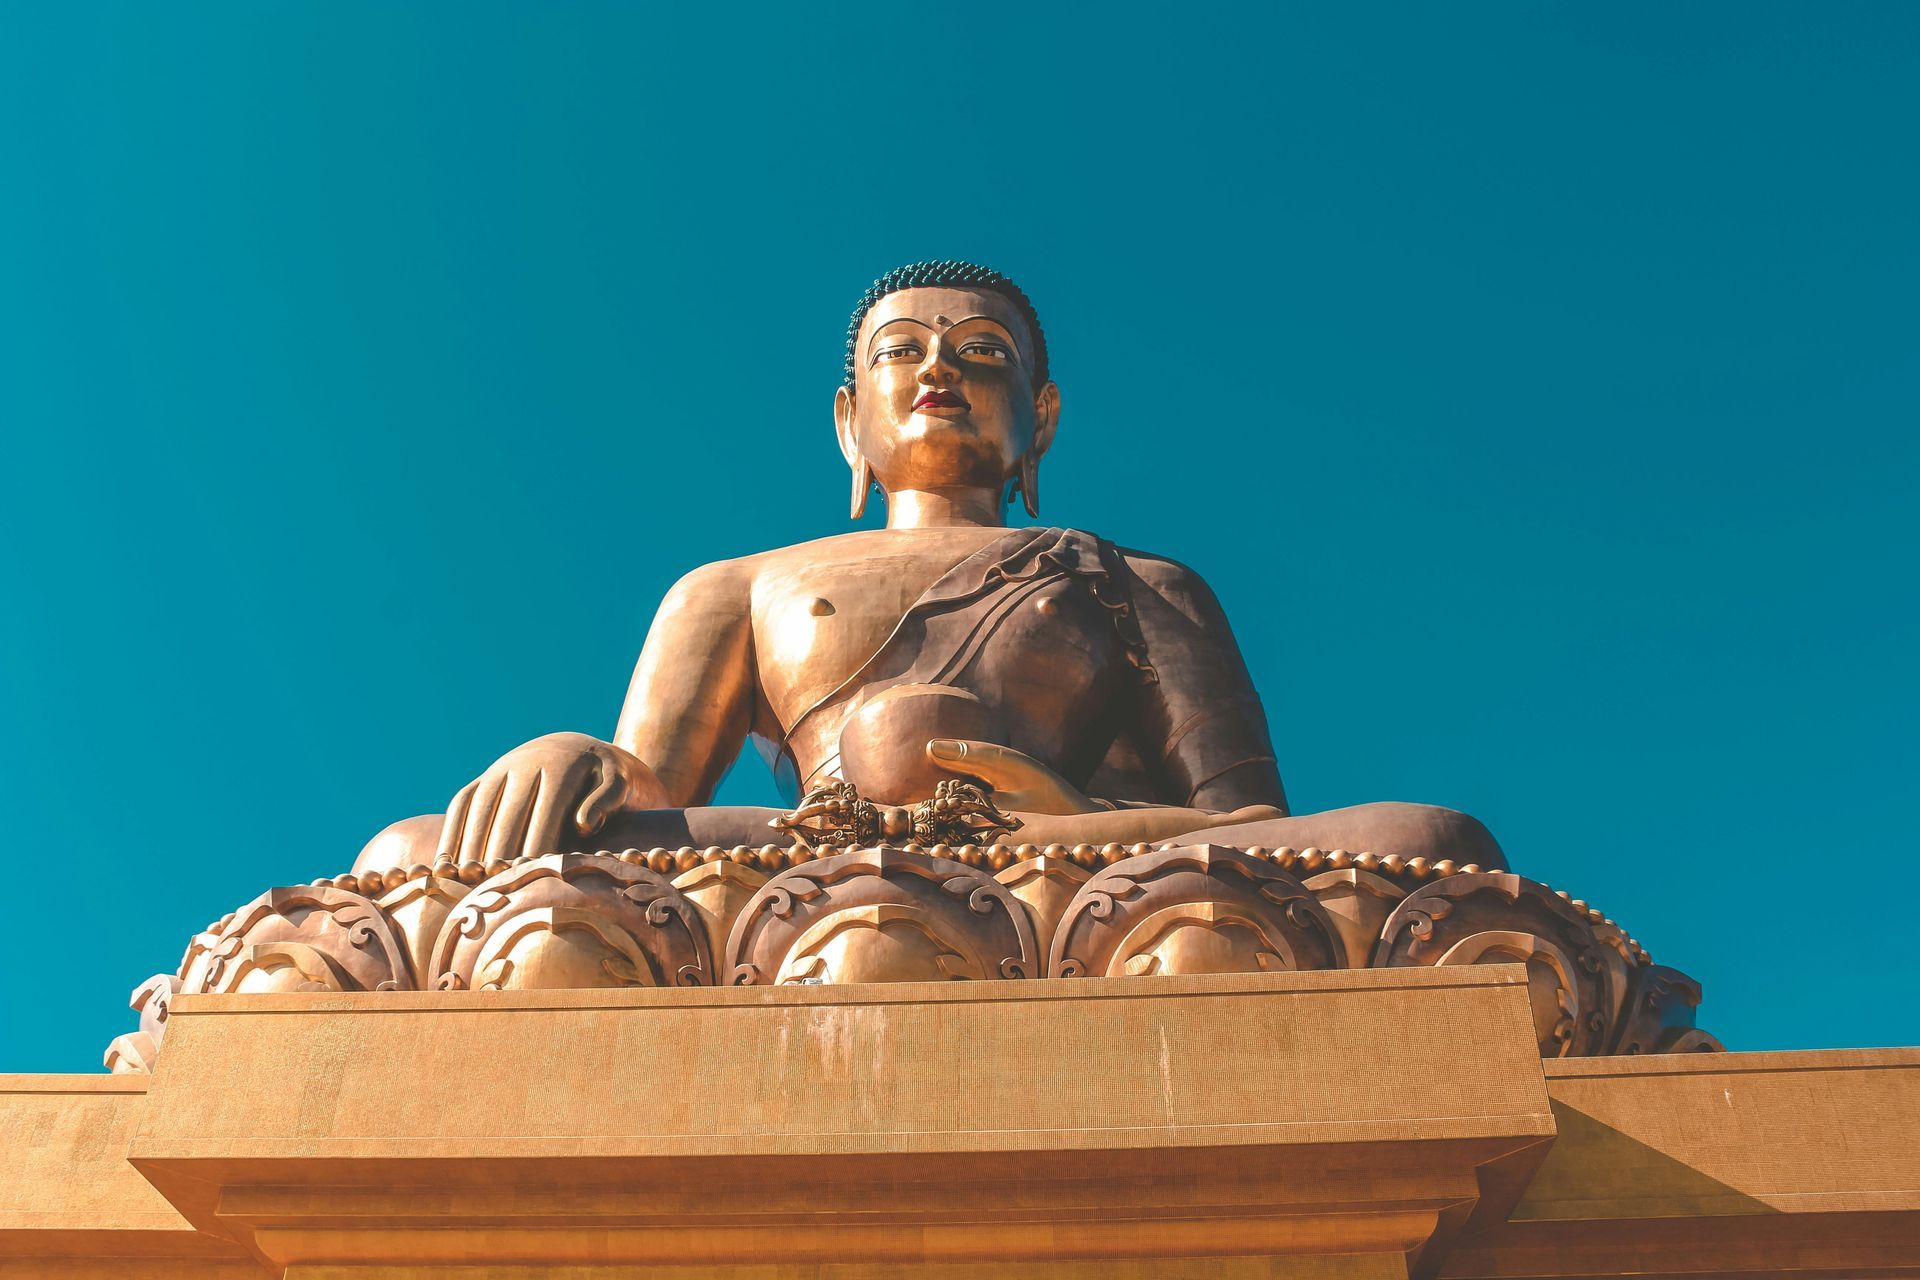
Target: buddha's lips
(941,400)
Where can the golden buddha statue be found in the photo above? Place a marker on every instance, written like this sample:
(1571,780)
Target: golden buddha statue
(920,691)
(1092,692)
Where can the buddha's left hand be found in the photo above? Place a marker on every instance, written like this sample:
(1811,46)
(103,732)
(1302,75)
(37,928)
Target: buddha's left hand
(1019,781)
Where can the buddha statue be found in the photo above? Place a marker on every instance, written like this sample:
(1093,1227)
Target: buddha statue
(1010,753)
(943,669)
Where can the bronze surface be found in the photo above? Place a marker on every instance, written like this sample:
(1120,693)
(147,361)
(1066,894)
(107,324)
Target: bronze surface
(1097,691)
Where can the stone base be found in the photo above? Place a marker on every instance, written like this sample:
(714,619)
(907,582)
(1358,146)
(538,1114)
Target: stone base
(1367,1123)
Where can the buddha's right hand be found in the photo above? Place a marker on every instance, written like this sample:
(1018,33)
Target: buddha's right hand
(542,796)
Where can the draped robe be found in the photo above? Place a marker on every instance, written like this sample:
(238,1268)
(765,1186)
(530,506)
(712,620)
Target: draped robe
(1122,691)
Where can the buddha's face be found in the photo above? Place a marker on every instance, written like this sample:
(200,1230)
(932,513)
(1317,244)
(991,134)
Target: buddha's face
(943,391)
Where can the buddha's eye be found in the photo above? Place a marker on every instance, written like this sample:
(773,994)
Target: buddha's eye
(903,352)
(990,350)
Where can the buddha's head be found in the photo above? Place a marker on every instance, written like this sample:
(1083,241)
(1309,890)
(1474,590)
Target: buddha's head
(946,385)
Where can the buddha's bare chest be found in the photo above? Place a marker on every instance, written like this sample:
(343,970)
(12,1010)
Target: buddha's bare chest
(818,618)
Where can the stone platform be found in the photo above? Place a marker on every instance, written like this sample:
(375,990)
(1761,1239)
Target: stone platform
(1363,1123)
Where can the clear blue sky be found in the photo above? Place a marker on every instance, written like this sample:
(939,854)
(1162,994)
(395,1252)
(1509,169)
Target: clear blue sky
(1537,386)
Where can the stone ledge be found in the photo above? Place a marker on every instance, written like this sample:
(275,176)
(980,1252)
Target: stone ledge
(906,1124)
(71,1205)
(1333,1124)
(1721,1164)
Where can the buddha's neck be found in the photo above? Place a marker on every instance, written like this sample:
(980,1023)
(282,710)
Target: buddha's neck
(955,508)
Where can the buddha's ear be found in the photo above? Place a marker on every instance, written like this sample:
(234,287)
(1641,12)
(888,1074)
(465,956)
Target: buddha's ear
(1046,416)
(850,450)
(843,426)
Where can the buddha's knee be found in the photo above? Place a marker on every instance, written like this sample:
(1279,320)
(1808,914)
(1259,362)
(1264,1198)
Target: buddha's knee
(1436,833)
(410,842)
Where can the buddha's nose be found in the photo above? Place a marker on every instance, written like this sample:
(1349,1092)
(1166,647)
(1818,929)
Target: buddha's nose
(939,368)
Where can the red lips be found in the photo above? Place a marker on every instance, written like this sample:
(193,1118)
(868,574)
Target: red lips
(942,399)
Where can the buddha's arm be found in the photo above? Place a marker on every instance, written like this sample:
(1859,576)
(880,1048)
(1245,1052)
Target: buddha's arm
(1052,810)
(684,720)
(1200,728)
(690,704)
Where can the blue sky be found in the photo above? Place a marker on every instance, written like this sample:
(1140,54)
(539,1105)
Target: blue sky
(1536,385)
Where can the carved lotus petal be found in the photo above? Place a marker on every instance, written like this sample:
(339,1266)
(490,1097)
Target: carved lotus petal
(881,915)
(305,938)
(1500,918)
(1202,909)
(572,920)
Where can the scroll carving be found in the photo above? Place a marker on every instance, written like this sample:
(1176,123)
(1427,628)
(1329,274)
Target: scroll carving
(881,915)
(1044,886)
(1659,1015)
(1358,902)
(1203,909)
(718,891)
(571,920)
(1498,918)
(417,910)
(131,1054)
(152,1000)
(307,938)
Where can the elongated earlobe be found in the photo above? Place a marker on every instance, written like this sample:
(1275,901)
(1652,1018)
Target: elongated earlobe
(862,486)
(1026,483)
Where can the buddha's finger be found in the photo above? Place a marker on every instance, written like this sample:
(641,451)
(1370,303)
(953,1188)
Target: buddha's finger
(543,826)
(601,801)
(1001,768)
(806,815)
(507,836)
(473,838)
(454,823)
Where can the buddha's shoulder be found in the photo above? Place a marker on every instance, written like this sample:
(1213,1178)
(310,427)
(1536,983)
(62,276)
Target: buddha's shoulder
(856,550)
(878,547)
(1156,569)
(888,550)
